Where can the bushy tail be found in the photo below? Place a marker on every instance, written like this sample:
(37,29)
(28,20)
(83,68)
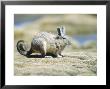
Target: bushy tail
(22,47)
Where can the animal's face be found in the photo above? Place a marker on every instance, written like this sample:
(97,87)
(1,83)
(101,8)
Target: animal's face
(62,36)
(67,40)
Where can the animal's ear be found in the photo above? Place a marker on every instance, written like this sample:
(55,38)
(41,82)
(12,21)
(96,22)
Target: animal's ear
(61,31)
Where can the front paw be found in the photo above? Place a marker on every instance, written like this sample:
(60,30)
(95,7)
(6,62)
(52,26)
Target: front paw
(59,56)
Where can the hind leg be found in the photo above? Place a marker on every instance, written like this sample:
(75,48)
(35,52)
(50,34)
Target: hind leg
(43,49)
(43,52)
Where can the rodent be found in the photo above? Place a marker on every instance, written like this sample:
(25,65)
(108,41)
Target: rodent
(46,44)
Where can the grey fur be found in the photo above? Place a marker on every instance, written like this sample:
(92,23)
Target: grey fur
(46,44)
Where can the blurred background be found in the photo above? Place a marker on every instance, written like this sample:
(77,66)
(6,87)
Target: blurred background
(82,28)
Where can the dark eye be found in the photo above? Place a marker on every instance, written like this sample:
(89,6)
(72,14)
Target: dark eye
(64,38)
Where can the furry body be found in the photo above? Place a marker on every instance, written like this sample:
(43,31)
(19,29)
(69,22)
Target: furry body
(44,43)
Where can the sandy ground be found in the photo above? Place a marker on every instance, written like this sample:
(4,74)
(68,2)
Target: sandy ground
(76,63)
